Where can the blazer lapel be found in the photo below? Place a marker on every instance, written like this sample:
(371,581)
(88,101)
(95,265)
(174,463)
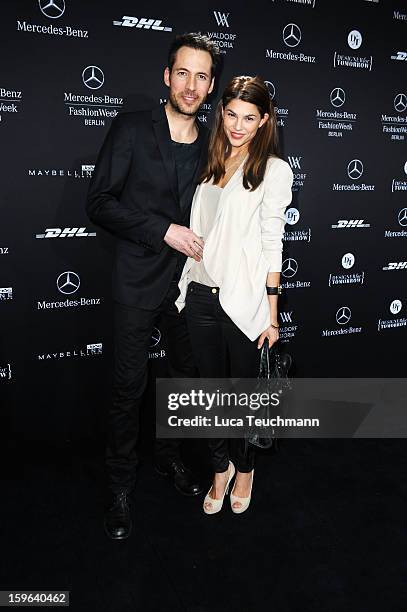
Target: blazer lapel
(163,136)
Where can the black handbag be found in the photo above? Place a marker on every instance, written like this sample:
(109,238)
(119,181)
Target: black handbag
(273,378)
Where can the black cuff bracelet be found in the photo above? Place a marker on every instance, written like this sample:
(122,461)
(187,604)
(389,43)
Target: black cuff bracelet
(273,290)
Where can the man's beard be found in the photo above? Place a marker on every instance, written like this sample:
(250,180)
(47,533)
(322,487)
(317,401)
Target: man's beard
(190,112)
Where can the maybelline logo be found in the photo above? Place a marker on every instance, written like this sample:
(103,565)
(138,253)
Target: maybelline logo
(91,350)
(350,224)
(92,108)
(299,175)
(400,16)
(291,36)
(85,172)
(354,40)
(396,265)
(355,171)
(68,283)
(399,185)
(282,113)
(142,23)
(4,251)
(354,278)
(396,125)
(52,9)
(10,99)
(395,308)
(343,316)
(400,56)
(67,232)
(6,293)
(289,269)
(402,220)
(336,122)
(223,40)
(5,372)
(288,327)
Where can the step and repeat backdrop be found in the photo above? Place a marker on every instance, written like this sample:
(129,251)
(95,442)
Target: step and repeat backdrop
(337,74)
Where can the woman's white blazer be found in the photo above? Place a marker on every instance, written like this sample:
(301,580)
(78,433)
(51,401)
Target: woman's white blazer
(244,244)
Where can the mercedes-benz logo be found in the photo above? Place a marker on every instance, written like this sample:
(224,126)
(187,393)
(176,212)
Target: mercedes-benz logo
(68,282)
(93,77)
(337,97)
(355,169)
(403,217)
(271,88)
(343,315)
(395,306)
(52,8)
(291,35)
(289,267)
(400,102)
(155,337)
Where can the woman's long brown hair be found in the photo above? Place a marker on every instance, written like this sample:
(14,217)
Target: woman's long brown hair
(264,144)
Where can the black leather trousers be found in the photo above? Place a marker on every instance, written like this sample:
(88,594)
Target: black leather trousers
(220,350)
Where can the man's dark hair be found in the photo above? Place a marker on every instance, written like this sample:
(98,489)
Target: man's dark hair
(194,41)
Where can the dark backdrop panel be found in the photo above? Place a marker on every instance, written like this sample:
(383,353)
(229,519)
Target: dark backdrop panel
(341,98)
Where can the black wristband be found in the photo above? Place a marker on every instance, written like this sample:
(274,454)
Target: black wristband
(273,290)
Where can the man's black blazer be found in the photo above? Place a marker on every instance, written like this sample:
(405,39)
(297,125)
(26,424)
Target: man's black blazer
(134,194)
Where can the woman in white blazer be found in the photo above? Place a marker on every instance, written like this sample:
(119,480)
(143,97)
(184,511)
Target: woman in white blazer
(230,295)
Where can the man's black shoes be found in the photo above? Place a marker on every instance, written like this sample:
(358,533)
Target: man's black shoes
(117,518)
(184,480)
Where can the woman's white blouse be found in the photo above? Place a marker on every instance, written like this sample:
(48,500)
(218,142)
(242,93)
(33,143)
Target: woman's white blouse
(207,212)
(244,244)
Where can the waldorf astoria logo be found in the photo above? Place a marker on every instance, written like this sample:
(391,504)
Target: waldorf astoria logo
(300,176)
(336,120)
(223,38)
(92,109)
(288,326)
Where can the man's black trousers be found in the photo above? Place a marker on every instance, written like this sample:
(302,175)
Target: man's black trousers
(132,338)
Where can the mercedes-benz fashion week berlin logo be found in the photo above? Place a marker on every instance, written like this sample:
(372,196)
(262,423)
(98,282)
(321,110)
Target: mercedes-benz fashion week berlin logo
(343,315)
(155,337)
(289,268)
(400,102)
(403,217)
(93,77)
(291,35)
(337,97)
(271,88)
(68,282)
(52,8)
(355,169)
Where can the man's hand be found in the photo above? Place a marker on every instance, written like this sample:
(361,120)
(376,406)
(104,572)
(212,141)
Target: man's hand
(184,240)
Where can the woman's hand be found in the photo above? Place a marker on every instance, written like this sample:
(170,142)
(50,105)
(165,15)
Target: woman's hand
(271,333)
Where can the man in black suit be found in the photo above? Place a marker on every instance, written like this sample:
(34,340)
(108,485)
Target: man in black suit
(141,190)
